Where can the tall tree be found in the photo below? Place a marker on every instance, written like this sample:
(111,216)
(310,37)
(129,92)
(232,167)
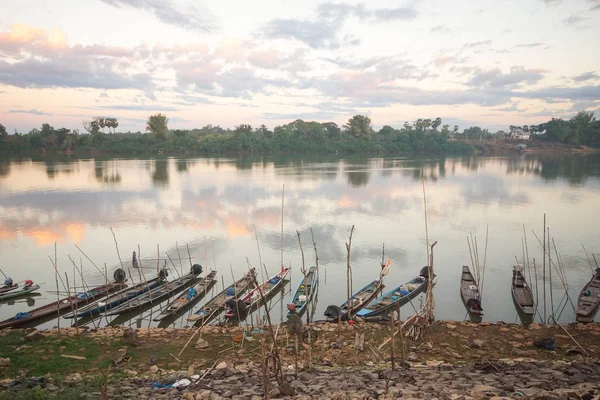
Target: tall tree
(3,131)
(359,126)
(47,129)
(158,125)
(92,125)
(111,123)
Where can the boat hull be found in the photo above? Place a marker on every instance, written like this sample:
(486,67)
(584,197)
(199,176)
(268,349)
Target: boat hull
(588,302)
(182,303)
(470,293)
(254,299)
(307,287)
(216,305)
(61,306)
(20,292)
(394,298)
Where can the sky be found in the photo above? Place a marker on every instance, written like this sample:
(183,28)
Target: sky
(232,62)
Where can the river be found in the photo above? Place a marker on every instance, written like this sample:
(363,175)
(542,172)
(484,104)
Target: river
(214,205)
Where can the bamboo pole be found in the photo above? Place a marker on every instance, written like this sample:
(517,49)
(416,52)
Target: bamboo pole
(303,270)
(425,213)
(484,262)
(259,256)
(179,255)
(588,258)
(71,301)
(472,261)
(90,260)
(544,269)
(273,336)
(393,350)
(349,274)
(55,263)
(401,338)
(84,285)
(316,253)
(550,276)
(190,256)
(282,198)
(564,283)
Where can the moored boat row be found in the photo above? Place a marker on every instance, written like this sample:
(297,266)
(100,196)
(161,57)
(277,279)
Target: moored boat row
(245,296)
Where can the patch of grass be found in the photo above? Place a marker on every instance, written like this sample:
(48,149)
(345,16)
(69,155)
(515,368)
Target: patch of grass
(44,356)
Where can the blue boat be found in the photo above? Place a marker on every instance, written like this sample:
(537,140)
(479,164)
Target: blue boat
(305,292)
(395,298)
(117,298)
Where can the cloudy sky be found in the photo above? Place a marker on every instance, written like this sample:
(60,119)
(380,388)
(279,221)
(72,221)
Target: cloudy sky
(228,62)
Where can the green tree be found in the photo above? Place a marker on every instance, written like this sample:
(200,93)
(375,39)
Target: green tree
(92,126)
(158,125)
(111,123)
(359,127)
(437,122)
(332,130)
(47,129)
(3,131)
(446,131)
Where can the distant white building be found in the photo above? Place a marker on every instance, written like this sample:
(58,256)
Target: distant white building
(519,134)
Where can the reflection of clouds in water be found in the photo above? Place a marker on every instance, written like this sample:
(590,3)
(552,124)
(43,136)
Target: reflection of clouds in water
(571,197)
(329,240)
(487,189)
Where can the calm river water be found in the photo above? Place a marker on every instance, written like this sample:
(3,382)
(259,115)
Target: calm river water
(213,206)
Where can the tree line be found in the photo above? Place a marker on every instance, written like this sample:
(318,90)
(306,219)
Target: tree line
(299,136)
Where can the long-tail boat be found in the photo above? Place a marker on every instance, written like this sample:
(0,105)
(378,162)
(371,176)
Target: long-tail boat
(115,299)
(29,287)
(252,300)
(189,297)
(396,297)
(521,292)
(469,292)
(305,291)
(216,305)
(62,305)
(589,299)
(159,293)
(360,299)
(8,286)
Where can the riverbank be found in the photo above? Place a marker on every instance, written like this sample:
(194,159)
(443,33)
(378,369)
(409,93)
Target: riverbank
(508,147)
(451,360)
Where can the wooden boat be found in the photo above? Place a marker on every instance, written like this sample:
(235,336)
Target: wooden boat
(469,292)
(521,292)
(117,298)
(305,291)
(358,301)
(395,298)
(8,287)
(217,304)
(589,299)
(252,300)
(20,292)
(158,293)
(61,306)
(193,294)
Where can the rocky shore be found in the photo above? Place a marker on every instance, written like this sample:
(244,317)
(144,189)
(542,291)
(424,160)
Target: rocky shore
(456,361)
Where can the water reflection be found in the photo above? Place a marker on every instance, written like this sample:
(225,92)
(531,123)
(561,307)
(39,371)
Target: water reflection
(160,174)
(162,201)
